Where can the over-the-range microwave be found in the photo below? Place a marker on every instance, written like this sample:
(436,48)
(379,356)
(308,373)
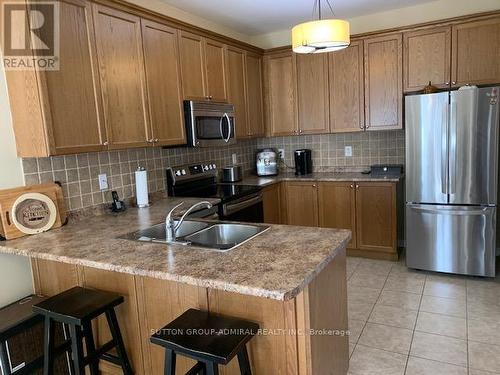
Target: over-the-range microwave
(209,123)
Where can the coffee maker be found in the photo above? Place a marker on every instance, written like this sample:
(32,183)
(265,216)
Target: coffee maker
(266,162)
(303,161)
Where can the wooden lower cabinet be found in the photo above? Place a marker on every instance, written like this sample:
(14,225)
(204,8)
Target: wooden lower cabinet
(272,204)
(301,201)
(281,348)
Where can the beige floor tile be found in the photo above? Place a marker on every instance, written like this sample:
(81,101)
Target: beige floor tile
(483,311)
(371,361)
(421,366)
(484,356)
(444,289)
(380,336)
(442,325)
(484,331)
(449,279)
(483,295)
(362,294)
(413,283)
(439,348)
(355,328)
(479,372)
(378,267)
(351,349)
(446,306)
(393,316)
(359,311)
(410,301)
(367,280)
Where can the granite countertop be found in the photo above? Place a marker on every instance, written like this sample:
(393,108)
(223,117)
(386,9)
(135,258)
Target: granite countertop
(277,264)
(317,176)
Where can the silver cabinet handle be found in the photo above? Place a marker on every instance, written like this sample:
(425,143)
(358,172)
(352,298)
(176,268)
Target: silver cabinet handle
(300,131)
(156,140)
(351,186)
(105,143)
(453,83)
(361,126)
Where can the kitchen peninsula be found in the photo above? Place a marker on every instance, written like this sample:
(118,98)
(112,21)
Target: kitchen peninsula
(290,280)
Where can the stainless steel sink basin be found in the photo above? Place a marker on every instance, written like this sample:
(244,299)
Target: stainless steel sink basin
(156,233)
(220,236)
(224,236)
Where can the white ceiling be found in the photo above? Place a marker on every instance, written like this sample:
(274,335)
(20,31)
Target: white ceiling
(254,17)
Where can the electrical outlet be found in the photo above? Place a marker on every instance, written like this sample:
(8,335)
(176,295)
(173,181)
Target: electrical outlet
(348,151)
(103,181)
(281,153)
(234,158)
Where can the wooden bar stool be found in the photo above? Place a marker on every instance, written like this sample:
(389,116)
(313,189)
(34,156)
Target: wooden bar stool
(77,307)
(208,338)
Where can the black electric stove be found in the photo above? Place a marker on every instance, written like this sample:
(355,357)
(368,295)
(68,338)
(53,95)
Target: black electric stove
(238,202)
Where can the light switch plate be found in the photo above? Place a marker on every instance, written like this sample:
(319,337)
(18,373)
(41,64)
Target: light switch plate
(103,181)
(348,151)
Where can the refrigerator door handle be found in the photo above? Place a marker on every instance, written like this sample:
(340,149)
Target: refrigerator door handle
(453,148)
(457,212)
(444,152)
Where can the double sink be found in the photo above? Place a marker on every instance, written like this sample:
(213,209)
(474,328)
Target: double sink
(215,236)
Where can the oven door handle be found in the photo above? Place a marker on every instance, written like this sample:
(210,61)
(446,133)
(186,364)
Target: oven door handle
(228,128)
(229,209)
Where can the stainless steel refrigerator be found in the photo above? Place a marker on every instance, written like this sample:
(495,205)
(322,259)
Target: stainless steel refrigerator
(451,180)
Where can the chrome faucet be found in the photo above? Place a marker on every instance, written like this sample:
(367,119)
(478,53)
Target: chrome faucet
(170,226)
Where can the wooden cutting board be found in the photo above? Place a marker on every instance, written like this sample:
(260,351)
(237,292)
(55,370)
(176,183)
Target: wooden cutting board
(31,210)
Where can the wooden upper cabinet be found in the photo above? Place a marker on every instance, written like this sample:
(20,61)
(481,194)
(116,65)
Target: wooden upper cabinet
(427,58)
(161,60)
(337,207)
(192,65)
(302,203)
(280,80)
(215,57)
(61,113)
(236,86)
(121,63)
(255,105)
(476,52)
(312,93)
(376,227)
(347,112)
(383,82)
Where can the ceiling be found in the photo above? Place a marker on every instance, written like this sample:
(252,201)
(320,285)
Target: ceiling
(254,17)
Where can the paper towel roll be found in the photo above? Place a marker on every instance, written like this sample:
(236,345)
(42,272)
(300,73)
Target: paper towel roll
(141,187)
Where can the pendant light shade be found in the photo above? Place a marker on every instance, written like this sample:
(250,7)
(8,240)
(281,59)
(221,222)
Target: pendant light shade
(320,36)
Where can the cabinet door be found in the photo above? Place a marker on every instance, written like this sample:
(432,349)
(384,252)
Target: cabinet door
(192,66)
(347,112)
(281,113)
(255,106)
(121,67)
(427,57)
(312,93)
(215,57)
(476,52)
(236,85)
(161,59)
(376,227)
(383,82)
(272,204)
(302,203)
(337,207)
(72,94)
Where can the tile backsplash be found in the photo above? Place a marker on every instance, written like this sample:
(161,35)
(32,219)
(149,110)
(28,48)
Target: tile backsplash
(78,173)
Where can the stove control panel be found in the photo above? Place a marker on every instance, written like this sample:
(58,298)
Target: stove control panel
(185,172)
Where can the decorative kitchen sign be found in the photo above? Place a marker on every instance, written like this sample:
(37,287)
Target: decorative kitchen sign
(30,210)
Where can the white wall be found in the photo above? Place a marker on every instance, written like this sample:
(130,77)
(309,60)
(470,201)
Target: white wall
(15,272)
(432,11)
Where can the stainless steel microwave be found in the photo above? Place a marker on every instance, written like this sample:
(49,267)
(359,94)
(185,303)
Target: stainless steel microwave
(209,124)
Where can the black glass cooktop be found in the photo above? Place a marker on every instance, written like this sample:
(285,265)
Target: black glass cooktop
(225,192)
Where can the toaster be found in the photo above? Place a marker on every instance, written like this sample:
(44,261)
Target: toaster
(267,162)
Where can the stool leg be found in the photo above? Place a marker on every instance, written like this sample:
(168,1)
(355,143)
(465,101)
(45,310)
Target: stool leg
(4,359)
(244,362)
(48,347)
(170,360)
(117,337)
(90,345)
(67,336)
(76,349)
(212,368)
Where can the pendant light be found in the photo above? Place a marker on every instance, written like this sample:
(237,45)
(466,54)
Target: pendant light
(323,35)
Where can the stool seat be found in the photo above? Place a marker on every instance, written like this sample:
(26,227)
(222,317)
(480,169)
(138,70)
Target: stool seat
(17,316)
(76,305)
(206,336)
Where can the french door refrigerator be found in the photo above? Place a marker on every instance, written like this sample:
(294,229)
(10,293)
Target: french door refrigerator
(451,180)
